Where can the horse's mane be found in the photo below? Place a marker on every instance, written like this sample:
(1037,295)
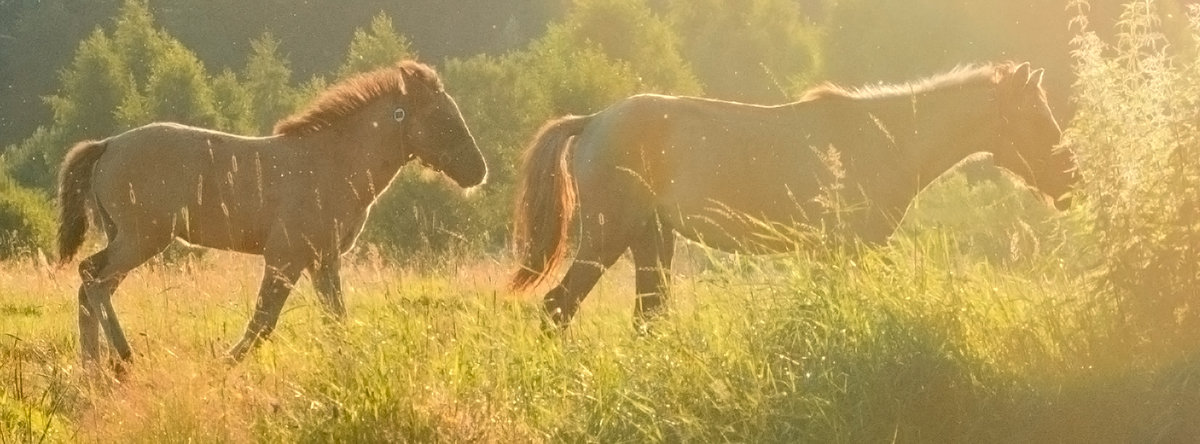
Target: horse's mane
(990,73)
(351,94)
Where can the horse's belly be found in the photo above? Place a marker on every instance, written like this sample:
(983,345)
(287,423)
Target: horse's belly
(731,230)
(217,228)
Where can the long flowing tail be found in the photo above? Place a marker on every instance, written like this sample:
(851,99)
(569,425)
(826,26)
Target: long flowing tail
(74,186)
(545,201)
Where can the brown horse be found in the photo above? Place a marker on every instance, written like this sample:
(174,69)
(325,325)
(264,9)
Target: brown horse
(838,164)
(299,198)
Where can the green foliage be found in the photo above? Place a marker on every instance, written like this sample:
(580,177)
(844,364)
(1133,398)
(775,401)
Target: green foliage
(178,90)
(138,39)
(39,39)
(625,31)
(762,51)
(578,80)
(989,216)
(267,80)
(379,46)
(232,103)
(1138,144)
(27,220)
(138,75)
(93,89)
(32,162)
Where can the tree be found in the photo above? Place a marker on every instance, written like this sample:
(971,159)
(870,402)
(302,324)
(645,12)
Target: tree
(136,75)
(625,31)
(380,45)
(755,51)
(232,103)
(178,90)
(138,41)
(604,50)
(92,90)
(267,80)
(86,106)
(37,41)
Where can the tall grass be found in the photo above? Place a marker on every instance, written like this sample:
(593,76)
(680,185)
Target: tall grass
(910,343)
(987,319)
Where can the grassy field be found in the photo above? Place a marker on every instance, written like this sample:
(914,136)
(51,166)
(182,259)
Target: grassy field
(950,334)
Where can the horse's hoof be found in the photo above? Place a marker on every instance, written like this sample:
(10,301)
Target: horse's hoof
(552,327)
(120,369)
(230,361)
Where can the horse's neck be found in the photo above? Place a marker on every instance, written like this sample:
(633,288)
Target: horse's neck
(936,130)
(364,164)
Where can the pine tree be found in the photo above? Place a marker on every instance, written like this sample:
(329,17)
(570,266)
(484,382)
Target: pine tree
(138,41)
(178,89)
(267,80)
(378,46)
(93,88)
(232,103)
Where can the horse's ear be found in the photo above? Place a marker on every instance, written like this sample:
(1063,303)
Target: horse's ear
(1017,82)
(1021,73)
(1035,78)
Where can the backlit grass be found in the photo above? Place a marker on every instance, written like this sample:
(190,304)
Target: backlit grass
(914,342)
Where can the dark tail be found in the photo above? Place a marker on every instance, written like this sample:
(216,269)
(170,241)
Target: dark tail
(545,201)
(74,188)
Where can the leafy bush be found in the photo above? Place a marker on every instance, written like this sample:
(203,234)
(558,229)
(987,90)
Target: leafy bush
(26,220)
(1138,144)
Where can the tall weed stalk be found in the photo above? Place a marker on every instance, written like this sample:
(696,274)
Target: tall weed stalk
(1137,139)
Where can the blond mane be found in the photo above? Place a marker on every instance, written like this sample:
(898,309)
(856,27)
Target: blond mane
(351,94)
(989,74)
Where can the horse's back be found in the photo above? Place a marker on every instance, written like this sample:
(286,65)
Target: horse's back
(207,186)
(713,170)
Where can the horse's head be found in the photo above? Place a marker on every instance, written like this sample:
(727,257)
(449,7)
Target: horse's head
(432,129)
(1030,137)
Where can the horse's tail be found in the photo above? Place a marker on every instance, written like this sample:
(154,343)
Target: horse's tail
(545,201)
(74,187)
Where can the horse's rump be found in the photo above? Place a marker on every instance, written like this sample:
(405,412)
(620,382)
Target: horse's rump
(545,200)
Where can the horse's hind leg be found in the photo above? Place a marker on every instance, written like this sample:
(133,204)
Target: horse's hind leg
(599,248)
(652,251)
(89,315)
(102,273)
(278,279)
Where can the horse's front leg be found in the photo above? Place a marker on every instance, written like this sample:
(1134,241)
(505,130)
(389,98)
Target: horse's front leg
(652,252)
(277,283)
(328,283)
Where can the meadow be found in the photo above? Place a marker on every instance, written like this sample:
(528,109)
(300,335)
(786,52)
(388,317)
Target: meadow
(989,317)
(952,333)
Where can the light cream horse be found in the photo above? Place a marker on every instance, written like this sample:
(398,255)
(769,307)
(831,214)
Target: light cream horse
(839,163)
(299,198)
